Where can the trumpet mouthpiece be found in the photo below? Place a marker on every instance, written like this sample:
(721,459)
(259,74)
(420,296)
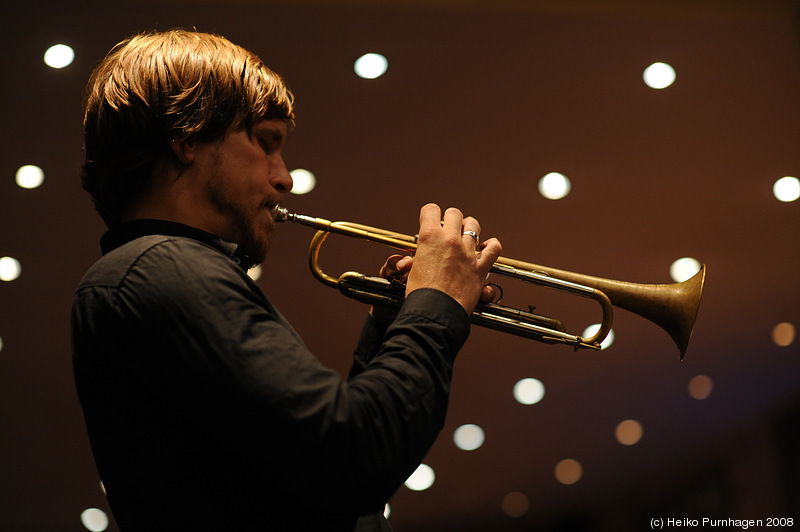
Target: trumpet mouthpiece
(279,214)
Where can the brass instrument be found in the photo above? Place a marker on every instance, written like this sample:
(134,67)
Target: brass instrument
(673,307)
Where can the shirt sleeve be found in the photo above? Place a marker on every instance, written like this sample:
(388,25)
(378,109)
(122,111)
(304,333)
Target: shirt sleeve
(374,331)
(372,334)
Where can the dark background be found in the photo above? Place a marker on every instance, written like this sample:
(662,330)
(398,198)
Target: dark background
(480,100)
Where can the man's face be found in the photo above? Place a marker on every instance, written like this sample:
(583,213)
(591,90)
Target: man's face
(246,178)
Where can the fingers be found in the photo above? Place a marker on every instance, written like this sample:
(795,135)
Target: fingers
(453,222)
(396,266)
(468,226)
(489,252)
(471,232)
(491,293)
(430,218)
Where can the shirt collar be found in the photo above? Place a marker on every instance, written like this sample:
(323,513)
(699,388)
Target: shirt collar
(129,231)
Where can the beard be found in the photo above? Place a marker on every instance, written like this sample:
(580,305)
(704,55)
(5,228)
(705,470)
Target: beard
(253,241)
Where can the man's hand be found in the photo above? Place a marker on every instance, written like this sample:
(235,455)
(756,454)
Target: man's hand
(446,257)
(462,268)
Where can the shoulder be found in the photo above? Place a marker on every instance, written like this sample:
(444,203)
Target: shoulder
(167,265)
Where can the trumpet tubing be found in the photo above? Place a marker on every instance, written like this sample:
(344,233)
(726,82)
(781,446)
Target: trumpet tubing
(673,307)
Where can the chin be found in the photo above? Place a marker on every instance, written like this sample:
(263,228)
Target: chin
(259,247)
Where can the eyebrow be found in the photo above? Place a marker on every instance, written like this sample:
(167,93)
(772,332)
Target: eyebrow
(273,132)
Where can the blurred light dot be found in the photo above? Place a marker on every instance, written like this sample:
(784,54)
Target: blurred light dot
(387,511)
(529,391)
(783,334)
(591,330)
(515,504)
(94,519)
(659,75)
(421,479)
(255,272)
(10,268)
(29,176)
(629,432)
(700,387)
(554,186)
(59,56)
(568,471)
(371,66)
(468,437)
(787,188)
(303,181)
(683,269)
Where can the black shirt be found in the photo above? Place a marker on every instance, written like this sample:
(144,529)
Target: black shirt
(206,411)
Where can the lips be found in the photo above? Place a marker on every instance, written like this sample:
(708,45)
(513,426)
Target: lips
(271,208)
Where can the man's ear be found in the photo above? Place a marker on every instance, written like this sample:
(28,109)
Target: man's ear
(183,150)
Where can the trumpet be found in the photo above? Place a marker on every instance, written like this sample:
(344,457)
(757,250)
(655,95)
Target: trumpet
(673,307)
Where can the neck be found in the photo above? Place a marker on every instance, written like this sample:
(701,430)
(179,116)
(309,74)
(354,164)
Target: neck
(177,198)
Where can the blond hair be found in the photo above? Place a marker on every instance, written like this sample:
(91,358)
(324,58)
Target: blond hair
(152,89)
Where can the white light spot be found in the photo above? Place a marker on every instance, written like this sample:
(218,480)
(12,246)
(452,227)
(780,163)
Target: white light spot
(554,186)
(683,269)
(468,437)
(387,511)
(529,391)
(591,330)
(29,176)
(421,479)
(10,268)
(303,181)
(787,188)
(659,75)
(371,66)
(59,56)
(94,519)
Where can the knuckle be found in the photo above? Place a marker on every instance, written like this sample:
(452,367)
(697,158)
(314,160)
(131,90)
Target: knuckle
(426,233)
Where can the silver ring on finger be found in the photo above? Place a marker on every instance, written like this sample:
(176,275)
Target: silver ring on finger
(473,234)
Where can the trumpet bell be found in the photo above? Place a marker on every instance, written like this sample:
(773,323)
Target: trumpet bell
(673,307)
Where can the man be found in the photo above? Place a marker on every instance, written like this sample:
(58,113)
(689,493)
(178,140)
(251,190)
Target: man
(204,409)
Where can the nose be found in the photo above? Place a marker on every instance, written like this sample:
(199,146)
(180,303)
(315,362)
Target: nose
(280,178)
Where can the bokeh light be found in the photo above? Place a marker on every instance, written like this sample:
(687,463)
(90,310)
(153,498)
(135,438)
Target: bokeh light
(529,391)
(59,56)
(659,75)
(568,471)
(554,186)
(371,66)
